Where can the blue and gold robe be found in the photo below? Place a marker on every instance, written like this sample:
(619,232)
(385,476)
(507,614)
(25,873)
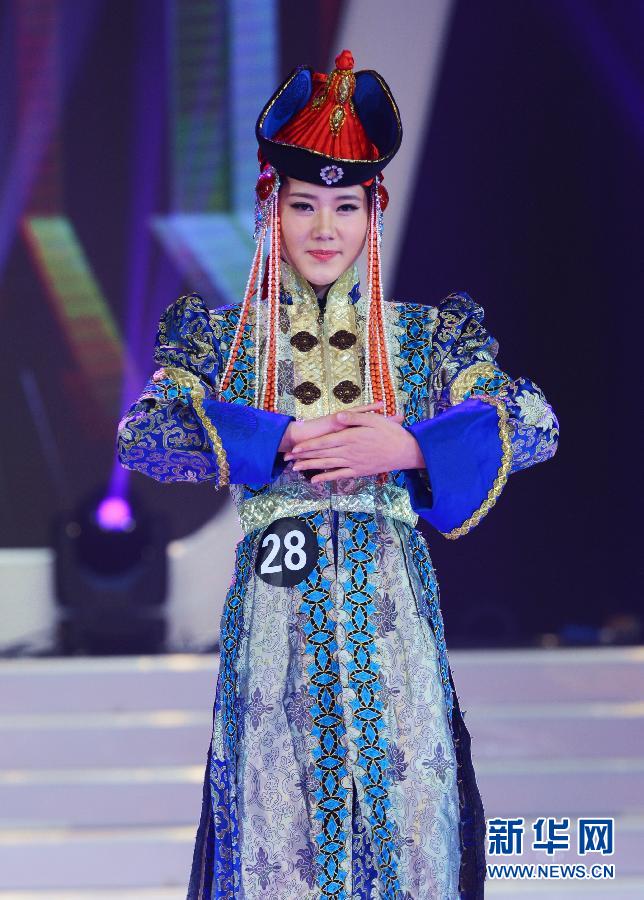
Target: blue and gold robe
(339,765)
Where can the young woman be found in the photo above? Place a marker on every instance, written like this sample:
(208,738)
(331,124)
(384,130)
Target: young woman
(339,765)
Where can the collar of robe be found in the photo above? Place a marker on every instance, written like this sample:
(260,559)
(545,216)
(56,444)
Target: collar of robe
(297,290)
(325,350)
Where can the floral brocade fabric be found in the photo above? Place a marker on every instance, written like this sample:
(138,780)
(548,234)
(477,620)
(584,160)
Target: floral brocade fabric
(344,763)
(339,765)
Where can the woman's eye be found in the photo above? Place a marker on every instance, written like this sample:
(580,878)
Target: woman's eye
(348,206)
(301,205)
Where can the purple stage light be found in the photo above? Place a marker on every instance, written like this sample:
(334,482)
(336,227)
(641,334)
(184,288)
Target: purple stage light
(114,514)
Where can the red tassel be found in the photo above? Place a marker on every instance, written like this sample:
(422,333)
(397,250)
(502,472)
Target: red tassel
(379,363)
(251,287)
(273,299)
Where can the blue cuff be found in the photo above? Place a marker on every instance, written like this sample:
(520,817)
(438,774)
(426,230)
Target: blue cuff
(462,450)
(250,438)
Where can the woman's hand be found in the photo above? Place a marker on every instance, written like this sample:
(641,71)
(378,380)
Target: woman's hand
(365,444)
(306,429)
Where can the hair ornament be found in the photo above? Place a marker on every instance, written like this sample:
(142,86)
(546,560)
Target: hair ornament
(266,220)
(378,374)
(268,185)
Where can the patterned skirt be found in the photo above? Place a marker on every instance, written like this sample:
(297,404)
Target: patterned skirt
(339,765)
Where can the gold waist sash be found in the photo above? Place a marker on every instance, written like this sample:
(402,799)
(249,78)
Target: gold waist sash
(388,499)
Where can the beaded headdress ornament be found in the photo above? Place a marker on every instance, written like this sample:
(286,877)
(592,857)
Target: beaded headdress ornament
(342,128)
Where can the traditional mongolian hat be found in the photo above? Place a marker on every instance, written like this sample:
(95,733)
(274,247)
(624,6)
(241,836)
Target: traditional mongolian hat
(334,130)
(337,129)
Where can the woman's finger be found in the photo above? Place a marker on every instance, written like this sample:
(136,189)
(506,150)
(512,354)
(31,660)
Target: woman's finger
(333,475)
(353,417)
(310,452)
(317,447)
(367,406)
(310,429)
(320,462)
(320,442)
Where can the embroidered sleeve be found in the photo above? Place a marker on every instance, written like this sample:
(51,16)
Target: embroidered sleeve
(469,368)
(177,430)
(485,425)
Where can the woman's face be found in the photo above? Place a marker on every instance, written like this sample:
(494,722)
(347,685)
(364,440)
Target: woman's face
(323,229)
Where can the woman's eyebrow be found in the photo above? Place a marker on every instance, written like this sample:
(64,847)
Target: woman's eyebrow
(314,196)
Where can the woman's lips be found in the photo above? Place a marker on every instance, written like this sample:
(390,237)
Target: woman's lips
(323,255)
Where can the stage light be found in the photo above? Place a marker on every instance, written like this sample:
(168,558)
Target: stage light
(115,514)
(111,578)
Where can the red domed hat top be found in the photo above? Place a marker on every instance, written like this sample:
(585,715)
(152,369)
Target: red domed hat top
(341,128)
(329,123)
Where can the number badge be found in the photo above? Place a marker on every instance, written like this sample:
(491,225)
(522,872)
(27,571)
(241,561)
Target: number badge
(287,554)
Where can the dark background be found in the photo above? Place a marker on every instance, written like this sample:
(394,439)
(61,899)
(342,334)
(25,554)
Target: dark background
(528,198)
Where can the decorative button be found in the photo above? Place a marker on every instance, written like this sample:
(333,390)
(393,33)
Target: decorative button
(347,391)
(331,174)
(307,392)
(304,341)
(342,339)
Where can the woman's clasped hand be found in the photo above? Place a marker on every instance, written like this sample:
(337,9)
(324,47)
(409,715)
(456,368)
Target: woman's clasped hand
(359,441)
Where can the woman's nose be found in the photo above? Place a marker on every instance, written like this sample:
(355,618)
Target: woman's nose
(323,225)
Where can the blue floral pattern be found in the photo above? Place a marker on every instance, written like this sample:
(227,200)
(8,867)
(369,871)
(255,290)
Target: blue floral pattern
(339,764)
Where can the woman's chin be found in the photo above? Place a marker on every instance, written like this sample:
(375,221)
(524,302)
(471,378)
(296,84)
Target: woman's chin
(323,273)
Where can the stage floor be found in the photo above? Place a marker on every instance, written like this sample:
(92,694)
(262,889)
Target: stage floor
(102,761)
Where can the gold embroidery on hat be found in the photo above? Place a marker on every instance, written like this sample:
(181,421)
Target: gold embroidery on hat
(339,159)
(336,119)
(344,87)
(320,99)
